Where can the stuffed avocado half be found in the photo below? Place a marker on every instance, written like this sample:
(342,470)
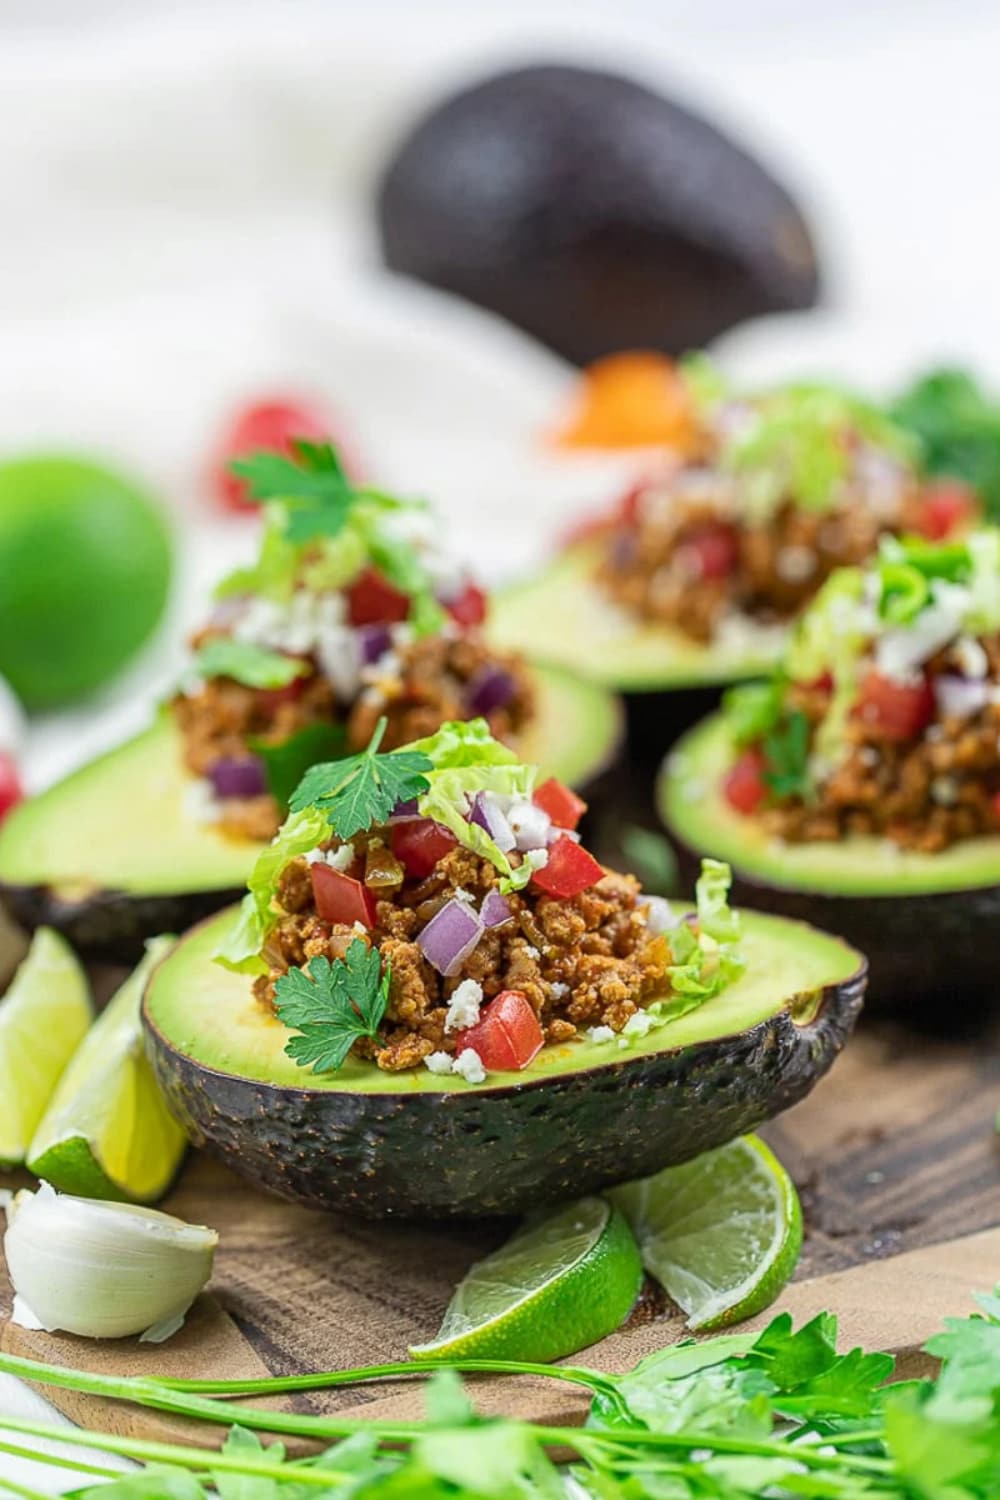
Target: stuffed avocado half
(860,786)
(350,613)
(435,1001)
(694,579)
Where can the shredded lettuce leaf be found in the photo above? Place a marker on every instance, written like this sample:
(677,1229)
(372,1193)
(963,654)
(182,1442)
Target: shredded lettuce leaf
(752,709)
(711,893)
(706,961)
(299,834)
(466,760)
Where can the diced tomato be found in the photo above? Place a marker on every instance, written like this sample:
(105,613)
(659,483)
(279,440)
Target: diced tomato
(629,507)
(11,791)
(900,710)
(507,1035)
(563,806)
(420,843)
(341,899)
(743,785)
(264,426)
(996,806)
(945,507)
(468,607)
(271,699)
(373,600)
(715,549)
(570,870)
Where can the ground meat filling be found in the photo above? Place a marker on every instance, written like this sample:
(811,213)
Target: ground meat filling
(924,793)
(584,962)
(431,681)
(691,563)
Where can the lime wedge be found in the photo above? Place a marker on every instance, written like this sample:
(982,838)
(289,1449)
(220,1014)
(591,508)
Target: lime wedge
(562,1282)
(43,1018)
(721,1234)
(107,1132)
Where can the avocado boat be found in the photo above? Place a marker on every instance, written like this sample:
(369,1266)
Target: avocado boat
(693,582)
(349,611)
(837,744)
(447,1008)
(75,858)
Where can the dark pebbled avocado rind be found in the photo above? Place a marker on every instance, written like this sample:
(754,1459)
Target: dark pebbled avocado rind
(111,926)
(931,956)
(482,1153)
(592,212)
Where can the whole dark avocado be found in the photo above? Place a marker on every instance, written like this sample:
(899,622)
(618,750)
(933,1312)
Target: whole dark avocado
(592,212)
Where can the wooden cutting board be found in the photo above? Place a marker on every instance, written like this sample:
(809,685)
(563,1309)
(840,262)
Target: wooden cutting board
(895,1157)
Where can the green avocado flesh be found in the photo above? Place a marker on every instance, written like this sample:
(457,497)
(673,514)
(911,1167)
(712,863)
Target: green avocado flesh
(120,824)
(695,811)
(209,1014)
(564,616)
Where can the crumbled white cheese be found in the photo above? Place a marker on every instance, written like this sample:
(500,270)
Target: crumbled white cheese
(438,1062)
(463,1009)
(944,791)
(387,670)
(559,990)
(462,894)
(638,1025)
(600,1034)
(469,1065)
(340,859)
(537,858)
(360,930)
(201,805)
(530,952)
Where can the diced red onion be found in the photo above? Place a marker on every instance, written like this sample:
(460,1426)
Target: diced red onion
(491,688)
(405,812)
(450,937)
(495,911)
(531,826)
(373,642)
(960,697)
(238,776)
(488,815)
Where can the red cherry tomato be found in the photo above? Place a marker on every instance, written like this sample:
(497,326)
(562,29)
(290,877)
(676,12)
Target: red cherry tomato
(743,785)
(715,549)
(271,699)
(899,710)
(264,426)
(996,806)
(373,600)
(11,790)
(570,870)
(507,1035)
(420,844)
(341,899)
(563,806)
(468,607)
(945,507)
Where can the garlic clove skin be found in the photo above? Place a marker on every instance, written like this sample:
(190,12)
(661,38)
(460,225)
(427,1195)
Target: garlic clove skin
(103,1270)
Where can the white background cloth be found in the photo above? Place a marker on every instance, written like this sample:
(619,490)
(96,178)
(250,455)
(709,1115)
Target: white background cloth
(186,221)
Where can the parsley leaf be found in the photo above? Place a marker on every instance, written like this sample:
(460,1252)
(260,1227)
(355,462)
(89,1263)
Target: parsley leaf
(224,656)
(315,490)
(356,793)
(786,750)
(287,762)
(332,1005)
(959,427)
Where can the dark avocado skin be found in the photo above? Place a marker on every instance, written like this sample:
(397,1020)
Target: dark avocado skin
(932,958)
(592,212)
(111,926)
(495,1152)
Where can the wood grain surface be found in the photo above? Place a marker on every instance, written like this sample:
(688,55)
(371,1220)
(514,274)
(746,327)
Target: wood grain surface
(895,1156)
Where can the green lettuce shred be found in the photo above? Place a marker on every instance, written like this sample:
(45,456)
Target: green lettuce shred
(702,969)
(299,834)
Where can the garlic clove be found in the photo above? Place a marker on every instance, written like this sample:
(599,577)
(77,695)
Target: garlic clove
(103,1270)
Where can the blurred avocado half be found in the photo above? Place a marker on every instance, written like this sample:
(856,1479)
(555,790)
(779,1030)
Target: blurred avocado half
(592,212)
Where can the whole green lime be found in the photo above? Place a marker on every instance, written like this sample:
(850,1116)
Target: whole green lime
(85,566)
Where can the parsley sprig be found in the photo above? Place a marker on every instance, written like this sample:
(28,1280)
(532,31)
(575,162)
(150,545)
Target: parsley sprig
(786,752)
(313,487)
(362,790)
(332,1005)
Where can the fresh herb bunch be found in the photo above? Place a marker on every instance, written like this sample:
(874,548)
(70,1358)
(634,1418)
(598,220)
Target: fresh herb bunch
(779,1414)
(361,791)
(313,488)
(333,1005)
